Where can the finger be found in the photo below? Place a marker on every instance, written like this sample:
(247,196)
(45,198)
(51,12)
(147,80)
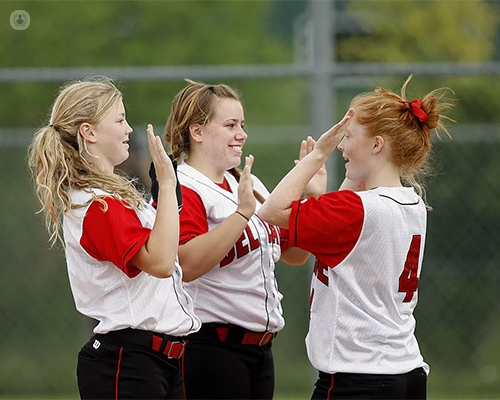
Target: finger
(249,162)
(348,115)
(303,150)
(310,144)
(248,167)
(151,136)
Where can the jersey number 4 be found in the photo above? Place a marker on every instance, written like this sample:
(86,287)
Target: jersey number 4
(408,281)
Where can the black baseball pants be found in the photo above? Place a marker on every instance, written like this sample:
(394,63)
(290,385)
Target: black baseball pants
(125,366)
(215,369)
(409,386)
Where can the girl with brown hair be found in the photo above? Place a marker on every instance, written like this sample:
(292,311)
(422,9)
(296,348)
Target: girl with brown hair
(228,254)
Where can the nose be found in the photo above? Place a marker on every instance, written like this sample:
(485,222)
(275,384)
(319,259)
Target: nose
(241,135)
(129,129)
(340,145)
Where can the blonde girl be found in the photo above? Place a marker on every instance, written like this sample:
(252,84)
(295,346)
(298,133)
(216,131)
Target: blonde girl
(121,253)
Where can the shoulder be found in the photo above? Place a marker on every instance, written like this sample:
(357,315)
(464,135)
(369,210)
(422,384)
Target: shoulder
(82,196)
(189,195)
(344,206)
(404,196)
(340,198)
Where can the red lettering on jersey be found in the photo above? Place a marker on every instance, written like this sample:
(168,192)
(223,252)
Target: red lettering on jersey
(274,237)
(266,225)
(272,233)
(408,281)
(254,243)
(319,268)
(228,259)
(241,249)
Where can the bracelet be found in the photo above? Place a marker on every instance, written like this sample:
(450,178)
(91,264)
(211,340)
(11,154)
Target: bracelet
(237,212)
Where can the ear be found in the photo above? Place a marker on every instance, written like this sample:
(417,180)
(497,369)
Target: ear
(86,132)
(195,130)
(378,144)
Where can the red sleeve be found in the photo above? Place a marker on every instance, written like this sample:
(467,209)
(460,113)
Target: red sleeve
(193,217)
(115,235)
(328,227)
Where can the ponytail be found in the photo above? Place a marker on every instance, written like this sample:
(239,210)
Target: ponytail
(407,125)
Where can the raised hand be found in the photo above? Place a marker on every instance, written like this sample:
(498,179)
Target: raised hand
(245,189)
(318,183)
(165,173)
(331,138)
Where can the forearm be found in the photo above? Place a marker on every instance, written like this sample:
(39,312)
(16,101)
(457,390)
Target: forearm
(277,207)
(204,252)
(157,255)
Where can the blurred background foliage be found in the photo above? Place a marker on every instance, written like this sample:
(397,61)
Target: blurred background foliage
(458,317)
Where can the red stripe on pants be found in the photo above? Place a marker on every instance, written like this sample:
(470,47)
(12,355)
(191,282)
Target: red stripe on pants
(329,390)
(118,372)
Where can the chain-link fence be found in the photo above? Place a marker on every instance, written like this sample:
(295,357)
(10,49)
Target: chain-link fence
(445,43)
(458,317)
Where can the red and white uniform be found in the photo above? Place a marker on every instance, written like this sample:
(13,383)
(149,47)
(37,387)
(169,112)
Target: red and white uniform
(369,248)
(105,287)
(241,290)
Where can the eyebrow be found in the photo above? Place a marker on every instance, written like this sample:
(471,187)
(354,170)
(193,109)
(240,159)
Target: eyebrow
(233,119)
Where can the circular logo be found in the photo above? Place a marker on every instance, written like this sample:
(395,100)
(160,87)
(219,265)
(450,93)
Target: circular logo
(20,20)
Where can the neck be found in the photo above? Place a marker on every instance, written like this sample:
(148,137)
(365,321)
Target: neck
(206,168)
(387,176)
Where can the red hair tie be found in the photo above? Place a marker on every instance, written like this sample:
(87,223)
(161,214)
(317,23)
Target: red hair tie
(416,106)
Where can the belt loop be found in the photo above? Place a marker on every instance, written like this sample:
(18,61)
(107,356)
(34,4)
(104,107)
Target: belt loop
(157,342)
(222,333)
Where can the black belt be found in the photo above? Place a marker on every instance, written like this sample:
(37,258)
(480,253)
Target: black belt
(171,346)
(229,333)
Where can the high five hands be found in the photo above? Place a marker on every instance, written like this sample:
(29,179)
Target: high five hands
(329,140)
(318,183)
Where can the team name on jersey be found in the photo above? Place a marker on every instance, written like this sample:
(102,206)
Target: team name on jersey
(320,269)
(247,243)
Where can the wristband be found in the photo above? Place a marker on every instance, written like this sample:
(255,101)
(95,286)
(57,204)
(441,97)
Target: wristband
(237,212)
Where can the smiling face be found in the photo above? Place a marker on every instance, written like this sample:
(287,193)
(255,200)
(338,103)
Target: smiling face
(357,148)
(223,136)
(110,138)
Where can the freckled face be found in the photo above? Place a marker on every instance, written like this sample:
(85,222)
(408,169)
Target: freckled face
(356,147)
(223,136)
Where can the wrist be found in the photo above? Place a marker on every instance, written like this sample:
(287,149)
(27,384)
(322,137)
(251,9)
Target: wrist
(244,215)
(167,184)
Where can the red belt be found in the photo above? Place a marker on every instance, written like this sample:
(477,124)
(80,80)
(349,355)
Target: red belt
(260,339)
(171,350)
(170,346)
(255,338)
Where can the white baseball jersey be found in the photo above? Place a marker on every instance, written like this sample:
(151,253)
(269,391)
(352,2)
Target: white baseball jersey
(369,248)
(99,246)
(242,288)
